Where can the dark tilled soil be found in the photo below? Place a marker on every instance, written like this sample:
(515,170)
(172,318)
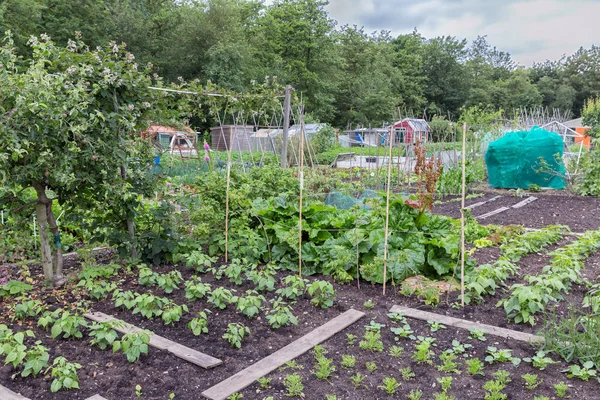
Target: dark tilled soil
(464,386)
(578,212)
(160,373)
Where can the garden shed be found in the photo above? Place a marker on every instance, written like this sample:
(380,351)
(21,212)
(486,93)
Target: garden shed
(409,130)
(163,135)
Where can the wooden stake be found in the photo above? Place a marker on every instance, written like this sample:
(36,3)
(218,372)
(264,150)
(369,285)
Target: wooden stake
(301,176)
(462,217)
(227,194)
(387,208)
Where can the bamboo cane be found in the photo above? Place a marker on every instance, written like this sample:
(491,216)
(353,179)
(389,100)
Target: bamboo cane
(387,209)
(462,218)
(227,194)
(301,176)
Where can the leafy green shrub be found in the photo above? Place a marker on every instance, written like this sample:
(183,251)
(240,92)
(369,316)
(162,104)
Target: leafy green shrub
(199,324)
(64,374)
(322,293)
(14,288)
(172,312)
(103,334)
(195,289)
(251,304)
(63,323)
(281,315)
(26,309)
(133,345)
(294,287)
(235,334)
(36,359)
(221,297)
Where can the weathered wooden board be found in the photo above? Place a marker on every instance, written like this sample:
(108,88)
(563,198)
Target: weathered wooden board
(7,394)
(268,364)
(482,203)
(96,397)
(161,343)
(463,323)
(496,211)
(523,203)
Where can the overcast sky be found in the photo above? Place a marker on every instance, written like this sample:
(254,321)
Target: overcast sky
(531,30)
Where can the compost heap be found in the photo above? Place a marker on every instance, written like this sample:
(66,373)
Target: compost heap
(524,158)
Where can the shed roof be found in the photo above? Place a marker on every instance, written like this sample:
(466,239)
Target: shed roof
(574,123)
(417,124)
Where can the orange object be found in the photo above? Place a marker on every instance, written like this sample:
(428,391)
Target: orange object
(587,141)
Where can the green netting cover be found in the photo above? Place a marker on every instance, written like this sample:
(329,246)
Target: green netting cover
(513,161)
(345,202)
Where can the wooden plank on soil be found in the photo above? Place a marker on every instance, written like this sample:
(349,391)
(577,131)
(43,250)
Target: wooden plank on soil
(270,363)
(482,203)
(7,394)
(96,397)
(523,203)
(496,211)
(159,342)
(194,356)
(465,324)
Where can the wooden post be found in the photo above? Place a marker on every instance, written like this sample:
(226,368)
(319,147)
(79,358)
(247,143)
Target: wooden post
(387,209)
(286,125)
(227,194)
(462,218)
(301,176)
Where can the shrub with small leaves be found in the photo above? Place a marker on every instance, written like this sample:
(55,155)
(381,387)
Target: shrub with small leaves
(323,368)
(371,366)
(64,374)
(103,334)
(169,281)
(199,324)
(414,394)
(235,334)
(357,379)
(474,366)
(372,342)
(221,297)
(36,358)
(322,294)
(531,381)
(133,345)
(264,382)
(172,312)
(251,304)
(560,389)
(294,287)
(281,315)
(407,374)
(195,289)
(395,351)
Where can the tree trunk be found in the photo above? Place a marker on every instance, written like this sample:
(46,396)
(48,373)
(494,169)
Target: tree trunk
(59,279)
(42,218)
(130,225)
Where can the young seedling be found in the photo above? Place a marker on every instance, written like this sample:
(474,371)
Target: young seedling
(357,379)
(475,366)
(138,390)
(371,366)
(423,352)
(415,394)
(390,385)
(407,374)
(435,326)
(403,332)
(502,376)
(374,327)
(351,339)
(236,396)
(369,304)
(501,355)
(398,318)
(541,398)
(199,325)
(446,383)
(560,389)
(235,334)
(493,390)
(322,294)
(372,342)
(448,363)
(459,348)
(348,361)
(324,368)
(531,381)
(64,374)
(478,335)
(264,382)
(293,365)
(395,351)
(293,385)
(540,360)
(585,372)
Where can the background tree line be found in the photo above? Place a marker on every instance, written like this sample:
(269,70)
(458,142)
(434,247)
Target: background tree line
(345,75)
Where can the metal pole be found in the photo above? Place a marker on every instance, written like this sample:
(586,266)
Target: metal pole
(462,218)
(286,125)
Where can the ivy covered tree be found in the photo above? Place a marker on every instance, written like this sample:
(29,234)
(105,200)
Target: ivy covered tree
(67,122)
(590,181)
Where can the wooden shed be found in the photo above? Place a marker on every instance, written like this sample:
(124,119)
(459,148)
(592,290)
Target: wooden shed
(239,134)
(409,130)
